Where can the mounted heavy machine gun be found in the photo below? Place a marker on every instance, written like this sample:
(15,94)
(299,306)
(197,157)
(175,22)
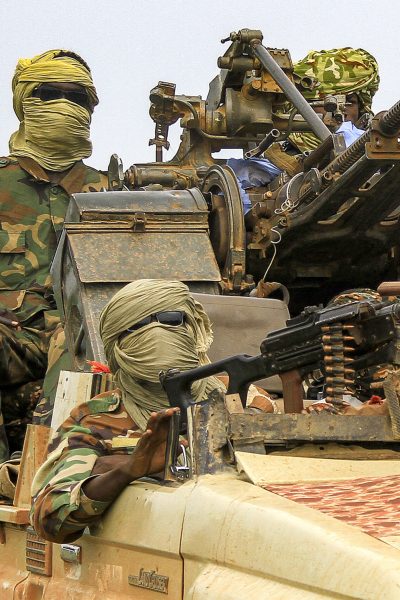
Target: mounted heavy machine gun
(342,343)
(328,222)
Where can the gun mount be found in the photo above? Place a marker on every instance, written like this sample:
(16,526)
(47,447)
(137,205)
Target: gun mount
(340,342)
(329,220)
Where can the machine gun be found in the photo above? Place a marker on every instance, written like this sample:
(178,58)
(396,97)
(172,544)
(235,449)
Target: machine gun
(330,221)
(339,341)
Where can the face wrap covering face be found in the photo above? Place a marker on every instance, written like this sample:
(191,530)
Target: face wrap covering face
(56,133)
(337,71)
(137,358)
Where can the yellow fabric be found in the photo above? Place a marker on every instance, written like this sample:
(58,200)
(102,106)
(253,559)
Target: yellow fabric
(305,142)
(48,68)
(55,133)
(138,357)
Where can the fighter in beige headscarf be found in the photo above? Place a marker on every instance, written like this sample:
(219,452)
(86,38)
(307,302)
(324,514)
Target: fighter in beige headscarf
(53,98)
(148,326)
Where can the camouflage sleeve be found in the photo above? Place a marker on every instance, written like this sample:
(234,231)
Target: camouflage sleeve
(60,510)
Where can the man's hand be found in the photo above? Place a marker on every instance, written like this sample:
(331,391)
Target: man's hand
(147,458)
(321,407)
(149,454)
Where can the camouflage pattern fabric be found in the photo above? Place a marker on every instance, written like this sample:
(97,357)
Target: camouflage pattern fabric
(4,449)
(60,510)
(337,71)
(356,295)
(32,212)
(58,359)
(18,406)
(340,71)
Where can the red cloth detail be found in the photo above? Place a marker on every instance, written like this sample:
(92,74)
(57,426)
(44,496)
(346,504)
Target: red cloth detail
(375,400)
(98,367)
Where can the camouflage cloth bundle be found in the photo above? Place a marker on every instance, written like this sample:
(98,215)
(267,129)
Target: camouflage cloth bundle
(356,295)
(337,71)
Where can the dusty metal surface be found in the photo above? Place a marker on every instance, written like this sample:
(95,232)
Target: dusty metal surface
(39,554)
(208,436)
(112,238)
(323,427)
(126,256)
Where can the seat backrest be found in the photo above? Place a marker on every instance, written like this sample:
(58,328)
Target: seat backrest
(240,323)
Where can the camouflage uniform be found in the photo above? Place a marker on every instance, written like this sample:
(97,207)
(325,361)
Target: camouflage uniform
(32,212)
(60,510)
(58,360)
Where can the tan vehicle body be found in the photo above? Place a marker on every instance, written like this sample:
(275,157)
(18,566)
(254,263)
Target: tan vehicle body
(215,538)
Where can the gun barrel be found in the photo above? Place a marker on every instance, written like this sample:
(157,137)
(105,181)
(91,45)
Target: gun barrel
(390,122)
(292,93)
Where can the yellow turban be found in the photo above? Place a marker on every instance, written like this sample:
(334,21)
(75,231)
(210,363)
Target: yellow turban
(53,66)
(56,133)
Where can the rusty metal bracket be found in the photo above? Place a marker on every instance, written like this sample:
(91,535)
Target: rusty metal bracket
(382,146)
(38,554)
(115,173)
(139,222)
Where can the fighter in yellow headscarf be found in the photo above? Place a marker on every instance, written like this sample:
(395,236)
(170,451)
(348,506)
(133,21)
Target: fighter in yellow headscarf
(350,71)
(54,97)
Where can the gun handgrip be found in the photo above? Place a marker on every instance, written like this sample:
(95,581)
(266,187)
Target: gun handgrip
(293,395)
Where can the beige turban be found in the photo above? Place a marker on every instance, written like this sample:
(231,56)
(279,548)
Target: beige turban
(137,358)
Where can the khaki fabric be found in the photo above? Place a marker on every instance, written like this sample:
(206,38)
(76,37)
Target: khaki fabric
(8,478)
(51,66)
(137,358)
(55,133)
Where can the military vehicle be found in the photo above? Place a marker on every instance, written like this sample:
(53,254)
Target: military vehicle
(286,505)
(269,506)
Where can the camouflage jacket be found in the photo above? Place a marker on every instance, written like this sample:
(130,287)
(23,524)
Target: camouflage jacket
(32,212)
(60,510)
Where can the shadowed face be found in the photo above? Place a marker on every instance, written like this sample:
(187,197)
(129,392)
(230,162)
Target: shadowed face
(352,108)
(70,91)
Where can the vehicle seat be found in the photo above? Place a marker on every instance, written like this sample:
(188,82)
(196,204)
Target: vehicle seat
(240,323)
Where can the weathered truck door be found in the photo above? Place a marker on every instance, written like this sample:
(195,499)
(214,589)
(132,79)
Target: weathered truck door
(133,553)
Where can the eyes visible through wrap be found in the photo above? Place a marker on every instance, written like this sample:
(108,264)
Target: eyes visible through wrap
(73,92)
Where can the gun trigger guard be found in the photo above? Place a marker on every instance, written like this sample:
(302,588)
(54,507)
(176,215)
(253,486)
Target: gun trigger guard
(181,471)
